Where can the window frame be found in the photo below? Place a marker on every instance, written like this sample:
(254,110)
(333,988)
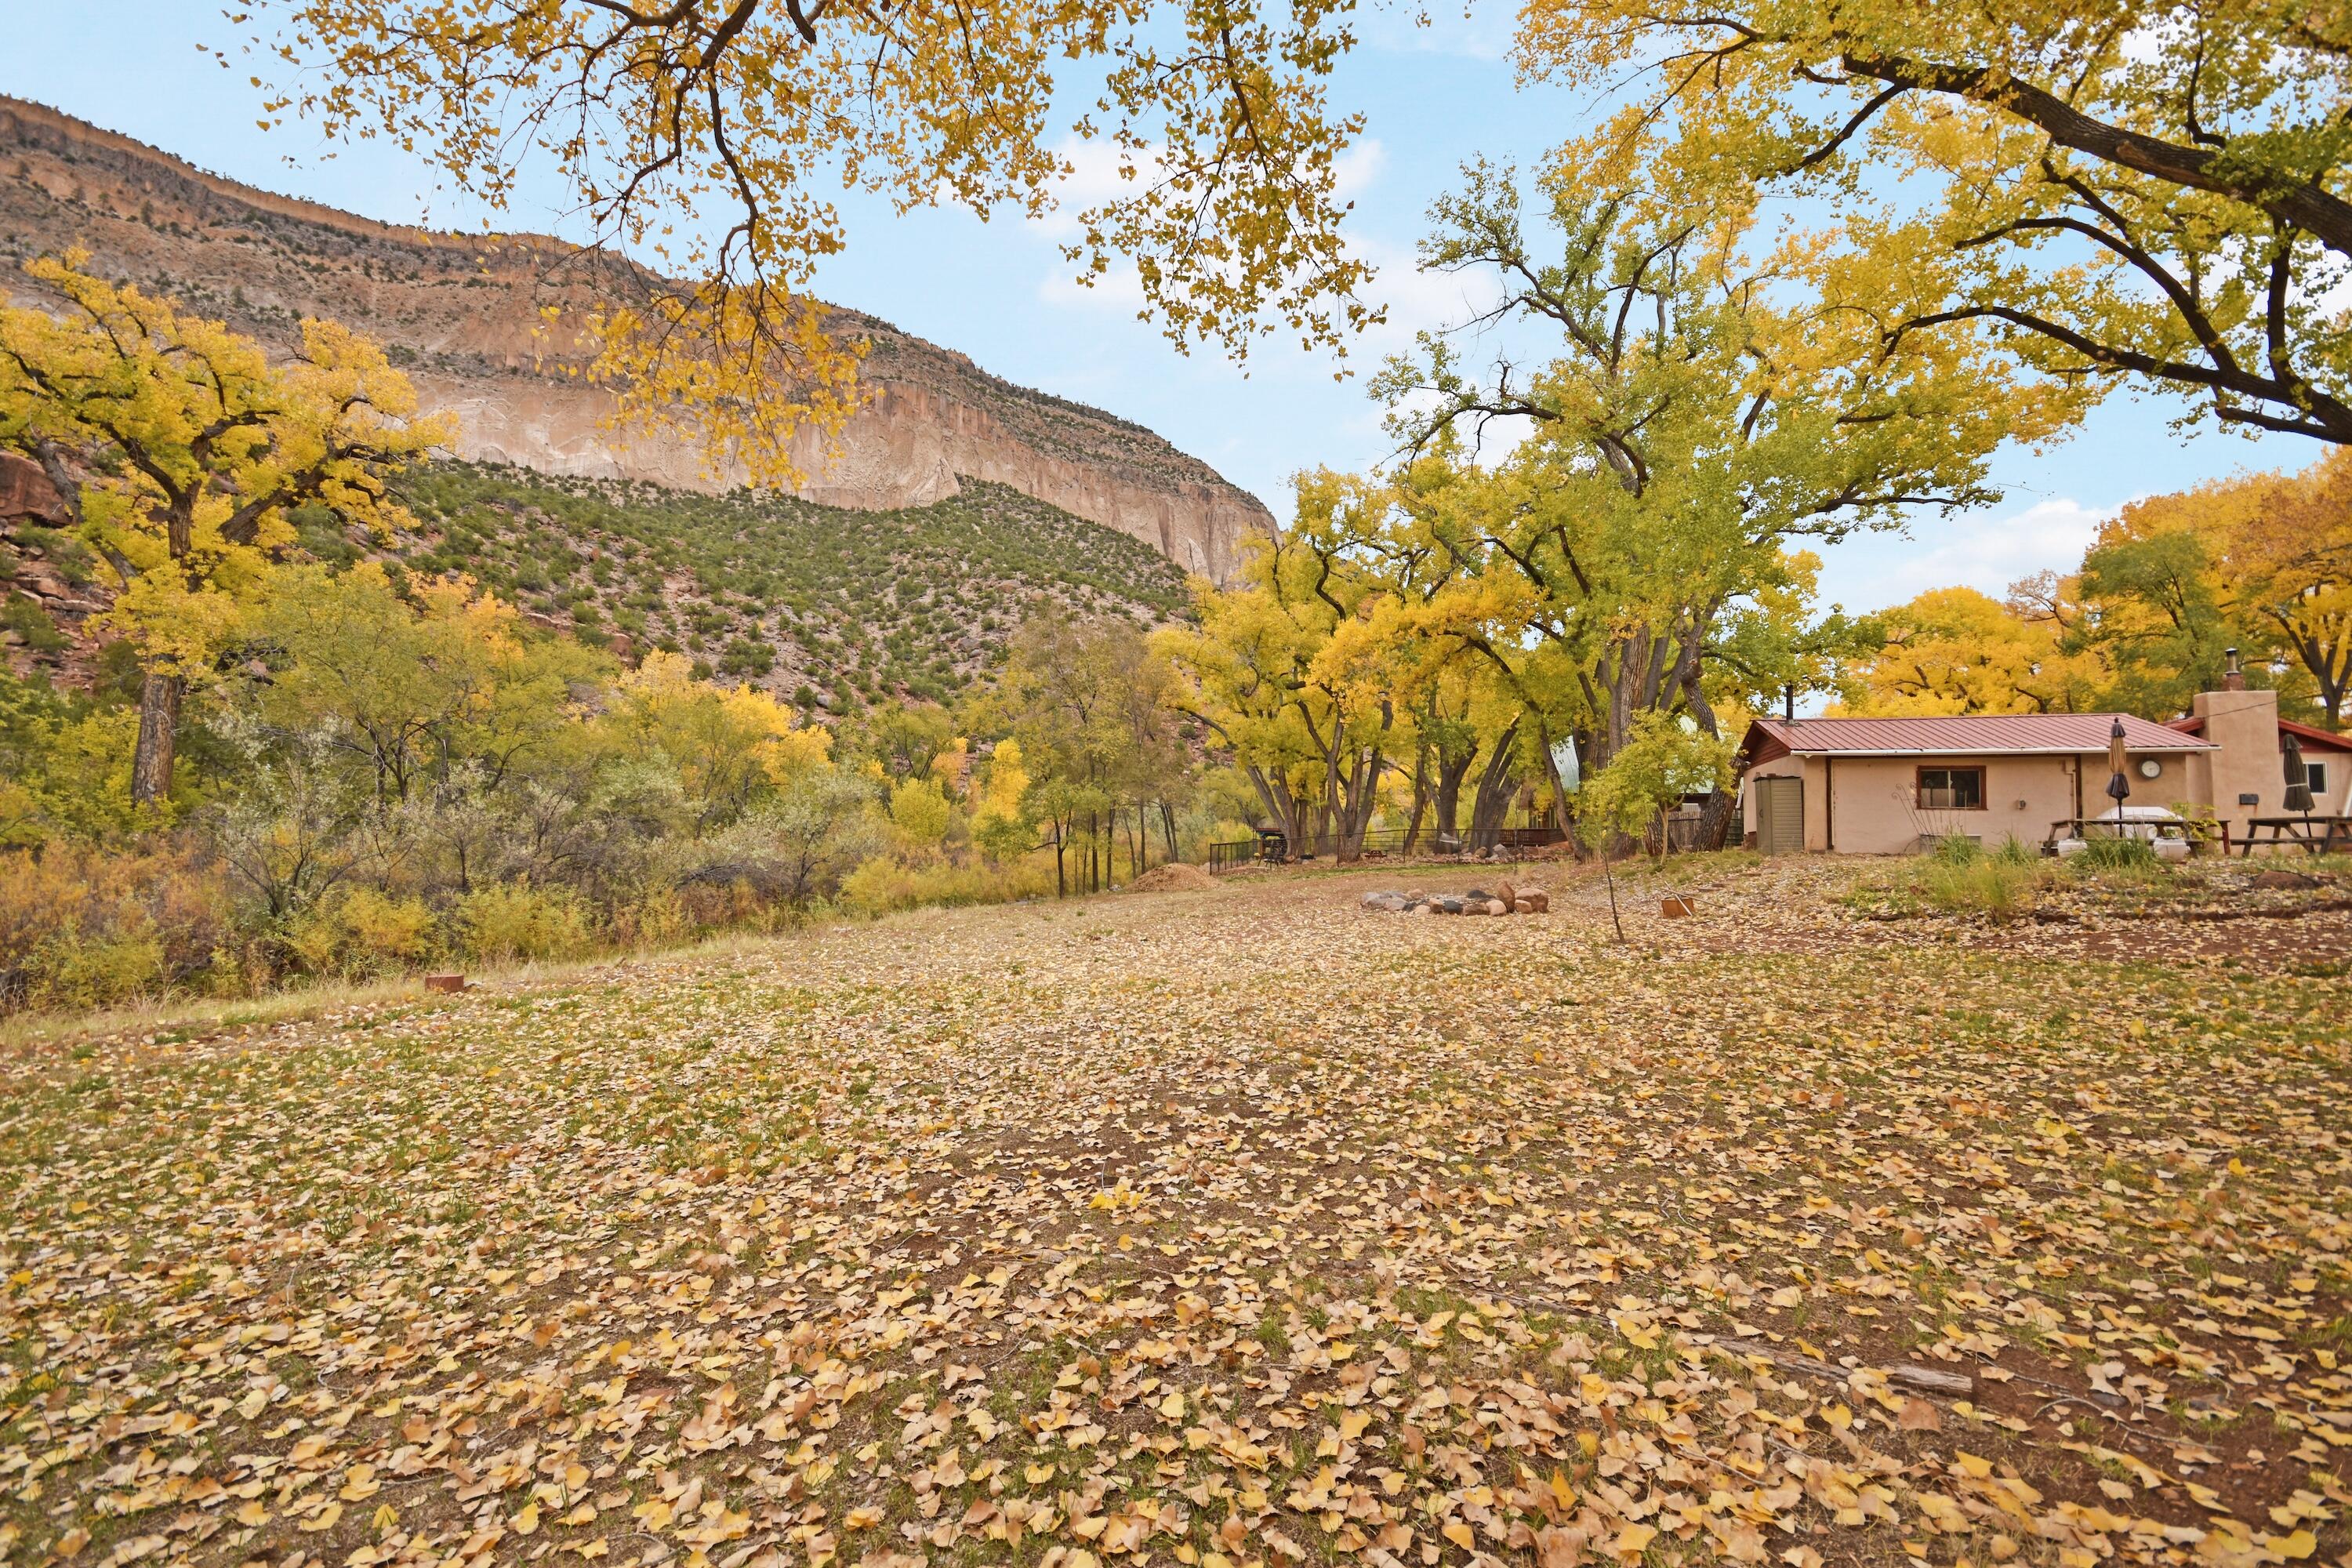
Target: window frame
(1919,784)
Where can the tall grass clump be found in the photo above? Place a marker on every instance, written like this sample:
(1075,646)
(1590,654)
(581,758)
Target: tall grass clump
(1960,877)
(2128,856)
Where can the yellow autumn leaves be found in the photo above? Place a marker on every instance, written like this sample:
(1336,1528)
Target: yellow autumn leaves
(1411,1276)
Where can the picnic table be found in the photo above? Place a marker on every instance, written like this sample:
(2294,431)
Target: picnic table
(2319,834)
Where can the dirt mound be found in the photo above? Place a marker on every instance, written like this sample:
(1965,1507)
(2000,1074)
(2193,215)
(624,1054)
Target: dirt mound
(1173,877)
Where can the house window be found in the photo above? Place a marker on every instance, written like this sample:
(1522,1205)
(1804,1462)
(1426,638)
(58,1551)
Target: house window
(1951,789)
(2316,773)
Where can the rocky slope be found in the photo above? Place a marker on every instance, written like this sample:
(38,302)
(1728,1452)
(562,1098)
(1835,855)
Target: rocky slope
(460,312)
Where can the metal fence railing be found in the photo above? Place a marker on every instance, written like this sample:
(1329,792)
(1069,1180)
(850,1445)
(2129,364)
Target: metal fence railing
(1234,853)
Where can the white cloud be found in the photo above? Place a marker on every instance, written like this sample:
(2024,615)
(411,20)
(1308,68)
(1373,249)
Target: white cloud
(1360,168)
(1984,553)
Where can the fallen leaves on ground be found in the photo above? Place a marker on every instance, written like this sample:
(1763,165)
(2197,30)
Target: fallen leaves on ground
(1219,1228)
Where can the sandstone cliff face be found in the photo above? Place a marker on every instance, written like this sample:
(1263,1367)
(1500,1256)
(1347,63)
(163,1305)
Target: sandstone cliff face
(461,314)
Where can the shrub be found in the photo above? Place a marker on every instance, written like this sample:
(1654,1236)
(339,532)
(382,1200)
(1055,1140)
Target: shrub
(919,814)
(82,928)
(362,933)
(659,919)
(75,969)
(514,920)
(883,884)
(29,620)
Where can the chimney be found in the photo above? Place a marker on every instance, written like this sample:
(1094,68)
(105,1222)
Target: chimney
(1788,701)
(2233,679)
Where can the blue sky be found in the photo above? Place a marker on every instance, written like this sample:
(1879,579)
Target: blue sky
(1000,291)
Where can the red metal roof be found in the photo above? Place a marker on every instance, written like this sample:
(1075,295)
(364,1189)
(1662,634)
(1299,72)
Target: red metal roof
(1960,735)
(2312,737)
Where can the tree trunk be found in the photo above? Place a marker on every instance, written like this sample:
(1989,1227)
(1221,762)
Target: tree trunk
(1558,785)
(1168,826)
(1420,798)
(1359,799)
(1451,772)
(159,733)
(1496,787)
(1714,822)
(1282,806)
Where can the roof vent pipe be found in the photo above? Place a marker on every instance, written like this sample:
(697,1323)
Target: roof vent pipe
(1788,700)
(2233,679)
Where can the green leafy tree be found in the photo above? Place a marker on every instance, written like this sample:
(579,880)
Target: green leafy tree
(181,453)
(445,688)
(1712,408)
(1661,762)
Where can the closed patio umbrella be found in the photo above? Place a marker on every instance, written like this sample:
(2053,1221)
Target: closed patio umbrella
(2119,762)
(2298,777)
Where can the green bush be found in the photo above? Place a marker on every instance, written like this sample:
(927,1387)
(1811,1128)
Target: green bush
(514,920)
(72,559)
(29,620)
(75,969)
(363,933)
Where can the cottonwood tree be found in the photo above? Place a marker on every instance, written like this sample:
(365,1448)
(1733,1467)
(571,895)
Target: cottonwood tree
(700,137)
(441,690)
(2260,561)
(1094,739)
(2291,563)
(1310,723)
(181,453)
(729,747)
(1956,650)
(2155,192)
(1705,414)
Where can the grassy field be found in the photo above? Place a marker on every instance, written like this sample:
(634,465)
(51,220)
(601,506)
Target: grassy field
(1215,1228)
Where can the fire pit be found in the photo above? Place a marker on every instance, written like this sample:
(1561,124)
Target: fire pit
(1504,898)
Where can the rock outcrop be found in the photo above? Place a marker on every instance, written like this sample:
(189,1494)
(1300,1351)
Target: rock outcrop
(462,315)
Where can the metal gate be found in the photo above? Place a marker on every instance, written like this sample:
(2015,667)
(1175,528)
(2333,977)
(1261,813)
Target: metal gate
(1780,814)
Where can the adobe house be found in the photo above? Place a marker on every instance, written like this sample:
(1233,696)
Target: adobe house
(1888,786)
(2242,777)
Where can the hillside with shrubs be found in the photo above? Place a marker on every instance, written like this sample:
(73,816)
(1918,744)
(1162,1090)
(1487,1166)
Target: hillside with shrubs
(828,607)
(322,708)
(406,773)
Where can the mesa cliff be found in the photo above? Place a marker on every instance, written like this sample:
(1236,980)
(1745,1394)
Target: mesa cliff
(461,314)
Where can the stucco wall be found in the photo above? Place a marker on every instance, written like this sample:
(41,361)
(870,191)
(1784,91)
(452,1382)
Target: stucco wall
(1868,806)
(2245,725)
